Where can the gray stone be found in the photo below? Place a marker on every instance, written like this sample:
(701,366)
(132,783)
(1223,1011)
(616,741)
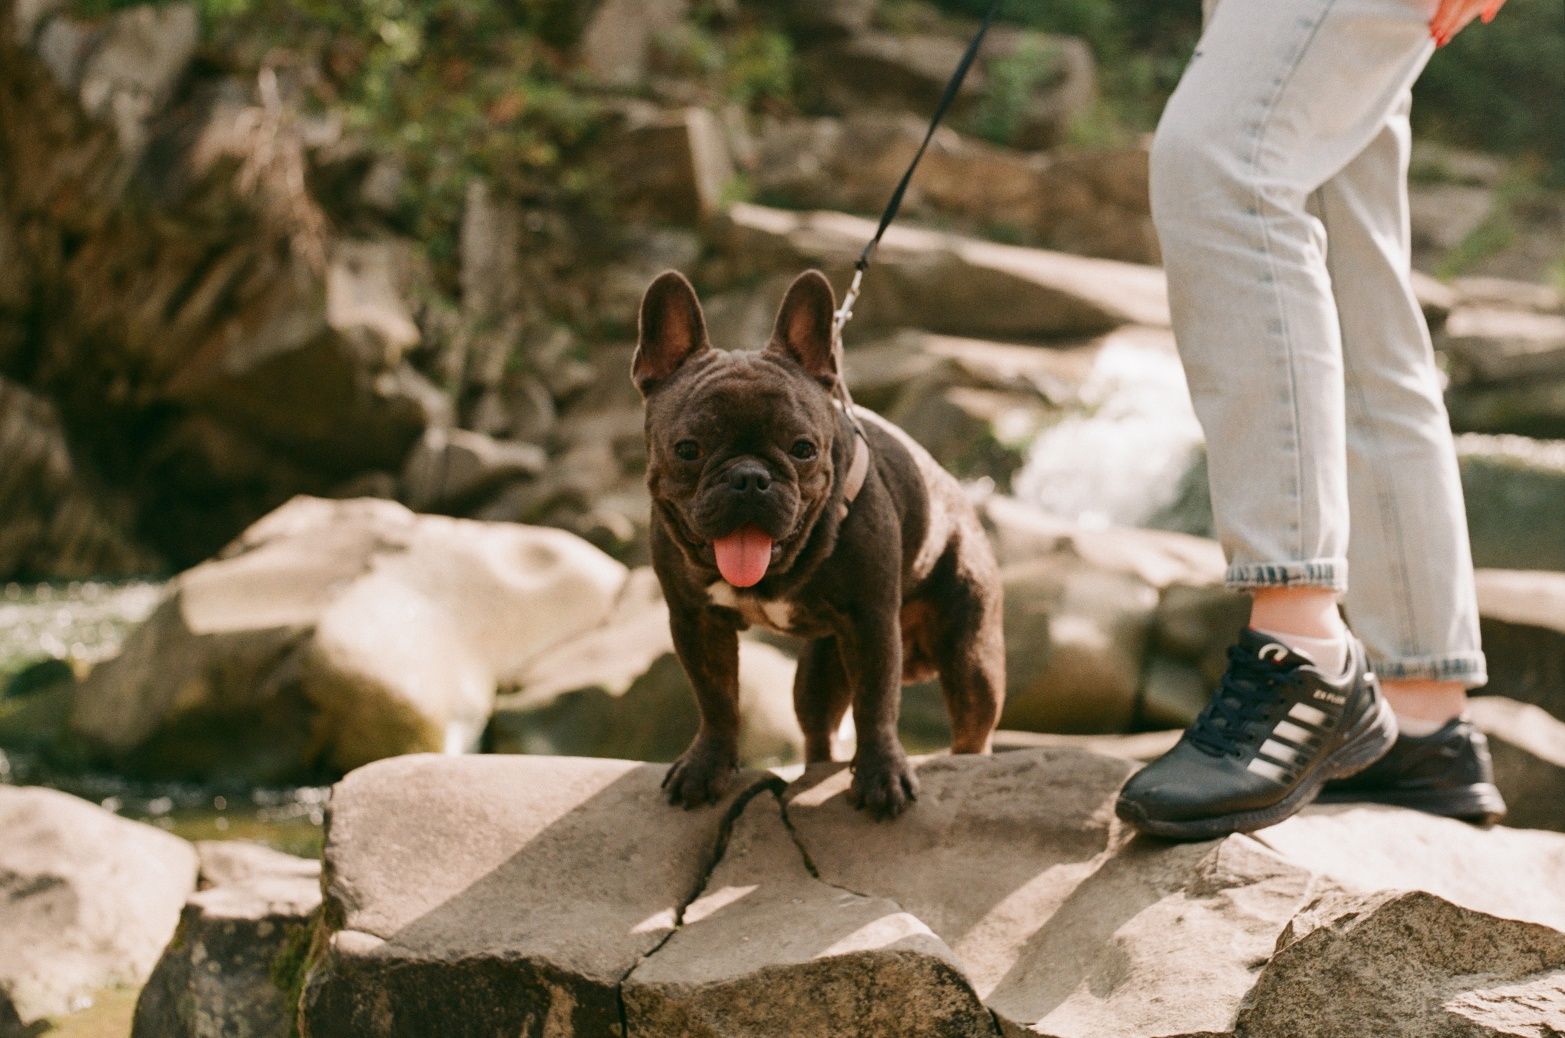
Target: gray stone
(561,897)
(1067,925)
(675,168)
(454,470)
(1407,965)
(771,950)
(619,691)
(1513,486)
(232,862)
(234,965)
(87,902)
(335,633)
(1528,746)
(946,283)
(54,521)
(1025,92)
(1523,630)
(617,44)
(490,895)
(1076,636)
(1489,344)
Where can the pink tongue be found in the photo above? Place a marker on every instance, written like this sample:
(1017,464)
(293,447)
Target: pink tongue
(742,556)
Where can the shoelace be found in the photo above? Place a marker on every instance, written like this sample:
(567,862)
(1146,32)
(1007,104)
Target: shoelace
(1249,689)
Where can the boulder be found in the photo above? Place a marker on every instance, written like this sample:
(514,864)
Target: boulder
(456,470)
(1505,294)
(87,902)
(948,283)
(1513,486)
(1406,965)
(674,168)
(619,691)
(209,348)
(335,633)
(489,895)
(618,41)
(1523,630)
(1025,91)
(233,967)
(1488,344)
(1108,629)
(55,523)
(562,897)
(1090,203)
(1528,746)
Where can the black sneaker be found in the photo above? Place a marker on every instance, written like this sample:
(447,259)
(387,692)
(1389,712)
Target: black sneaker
(1446,773)
(1274,732)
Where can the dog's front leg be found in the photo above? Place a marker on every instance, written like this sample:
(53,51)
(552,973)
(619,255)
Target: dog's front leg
(708,648)
(883,780)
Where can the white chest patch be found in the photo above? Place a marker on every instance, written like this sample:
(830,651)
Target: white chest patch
(773,614)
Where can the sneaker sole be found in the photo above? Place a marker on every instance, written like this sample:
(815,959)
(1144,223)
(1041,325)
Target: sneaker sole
(1480,804)
(1371,741)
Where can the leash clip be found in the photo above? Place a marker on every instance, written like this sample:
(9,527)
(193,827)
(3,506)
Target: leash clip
(845,312)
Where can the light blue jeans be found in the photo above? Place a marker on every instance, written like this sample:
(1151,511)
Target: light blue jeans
(1279,191)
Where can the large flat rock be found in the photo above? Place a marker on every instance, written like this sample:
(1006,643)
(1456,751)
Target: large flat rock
(553,897)
(500,895)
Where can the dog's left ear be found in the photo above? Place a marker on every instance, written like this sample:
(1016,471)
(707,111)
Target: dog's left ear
(804,326)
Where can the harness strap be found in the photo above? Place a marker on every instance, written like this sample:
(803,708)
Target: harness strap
(858,471)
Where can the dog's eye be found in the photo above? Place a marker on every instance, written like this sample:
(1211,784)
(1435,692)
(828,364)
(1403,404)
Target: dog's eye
(804,450)
(687,450)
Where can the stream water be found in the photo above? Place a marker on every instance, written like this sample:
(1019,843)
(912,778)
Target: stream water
(86,621)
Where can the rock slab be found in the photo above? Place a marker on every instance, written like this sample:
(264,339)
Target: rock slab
(87,902)
(554,897)
(232,968)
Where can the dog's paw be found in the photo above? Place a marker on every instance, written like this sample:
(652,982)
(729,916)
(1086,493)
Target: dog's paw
(701,775)
(883,785)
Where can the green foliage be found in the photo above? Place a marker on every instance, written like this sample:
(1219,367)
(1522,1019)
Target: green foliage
(1012,81)
(1502,86)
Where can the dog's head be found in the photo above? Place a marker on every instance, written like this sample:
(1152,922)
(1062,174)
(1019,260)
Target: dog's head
(739,444)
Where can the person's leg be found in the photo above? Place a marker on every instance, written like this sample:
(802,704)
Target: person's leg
(1280,97)
(1411,599)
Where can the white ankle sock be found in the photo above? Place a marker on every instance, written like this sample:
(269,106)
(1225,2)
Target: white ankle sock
(1330,654)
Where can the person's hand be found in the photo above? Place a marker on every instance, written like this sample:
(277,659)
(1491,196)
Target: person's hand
(1455,15)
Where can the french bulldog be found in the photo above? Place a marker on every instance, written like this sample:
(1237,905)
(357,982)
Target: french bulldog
(774,504)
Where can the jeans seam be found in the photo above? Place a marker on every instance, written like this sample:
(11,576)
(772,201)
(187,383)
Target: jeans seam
(1271,266)
(1385,500)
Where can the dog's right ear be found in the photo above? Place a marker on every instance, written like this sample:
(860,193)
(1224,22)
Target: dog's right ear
(672,330)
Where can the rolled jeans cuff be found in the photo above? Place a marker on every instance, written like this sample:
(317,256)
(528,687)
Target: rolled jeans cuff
(1323,573)
(1469,668)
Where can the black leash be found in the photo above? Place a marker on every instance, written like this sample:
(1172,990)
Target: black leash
(845,312)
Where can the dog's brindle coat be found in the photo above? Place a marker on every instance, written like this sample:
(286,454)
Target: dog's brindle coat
(900,586)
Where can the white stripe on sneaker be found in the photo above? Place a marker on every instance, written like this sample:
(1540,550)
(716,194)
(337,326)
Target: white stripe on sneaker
(1282,753)
(1293,733)
(1308,714)
(1267,768)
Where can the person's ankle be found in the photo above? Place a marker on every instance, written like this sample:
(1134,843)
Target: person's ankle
(1423,706)
(1307,621)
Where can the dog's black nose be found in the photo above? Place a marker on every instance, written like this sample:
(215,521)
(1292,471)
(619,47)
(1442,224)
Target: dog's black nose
(749,477)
